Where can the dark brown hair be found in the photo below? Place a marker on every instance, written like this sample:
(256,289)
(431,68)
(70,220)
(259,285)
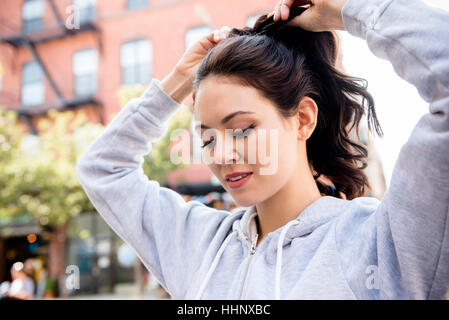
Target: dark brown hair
(286,63)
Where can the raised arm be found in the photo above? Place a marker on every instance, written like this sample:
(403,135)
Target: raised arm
(412,219)
(411,223)
(169,235)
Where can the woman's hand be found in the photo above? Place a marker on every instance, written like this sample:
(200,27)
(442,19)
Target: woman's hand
(189,62)
(178,84)
(321,15)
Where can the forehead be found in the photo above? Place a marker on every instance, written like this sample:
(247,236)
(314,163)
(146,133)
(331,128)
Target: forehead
(218,96)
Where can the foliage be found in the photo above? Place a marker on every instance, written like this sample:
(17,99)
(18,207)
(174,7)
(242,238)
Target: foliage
(37,173)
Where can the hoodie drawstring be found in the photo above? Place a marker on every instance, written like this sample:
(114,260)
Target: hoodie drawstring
(213,266)
(278,261)
(277,284)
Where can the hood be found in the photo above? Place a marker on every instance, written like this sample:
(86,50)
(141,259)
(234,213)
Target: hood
(314,215)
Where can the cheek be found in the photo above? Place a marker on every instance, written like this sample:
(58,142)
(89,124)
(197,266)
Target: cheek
(288,150)
(215,169)
(270,148)
(283,155)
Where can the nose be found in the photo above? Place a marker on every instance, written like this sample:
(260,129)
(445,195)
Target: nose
(225,150)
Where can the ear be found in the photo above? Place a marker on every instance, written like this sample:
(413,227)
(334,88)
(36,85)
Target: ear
(307,118)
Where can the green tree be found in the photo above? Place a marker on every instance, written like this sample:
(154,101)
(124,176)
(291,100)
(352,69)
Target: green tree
(40,182)
(42,185)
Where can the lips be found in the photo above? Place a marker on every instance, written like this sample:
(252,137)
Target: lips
(237,179)
(236,176)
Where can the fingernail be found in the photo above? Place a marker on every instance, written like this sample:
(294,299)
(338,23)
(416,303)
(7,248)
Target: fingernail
(284,11)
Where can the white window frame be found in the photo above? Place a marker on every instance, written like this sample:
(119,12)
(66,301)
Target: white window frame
(33,90)
(196,33)
(83,6)
(137,54)
(32,14)
(85,64)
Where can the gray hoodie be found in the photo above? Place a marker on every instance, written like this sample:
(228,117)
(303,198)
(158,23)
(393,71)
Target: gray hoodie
(397,248)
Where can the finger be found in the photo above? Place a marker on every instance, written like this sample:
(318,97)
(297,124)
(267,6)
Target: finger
(208,41)
(287,4)
(224,32)
(226,28)
(276,11)
(304,20)
(285,11)
(216,35)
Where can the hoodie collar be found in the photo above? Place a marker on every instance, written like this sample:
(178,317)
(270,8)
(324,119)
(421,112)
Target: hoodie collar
(314,215)
(246,227)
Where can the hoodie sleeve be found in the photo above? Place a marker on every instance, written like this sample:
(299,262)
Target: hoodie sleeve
(411,222)
(169,235)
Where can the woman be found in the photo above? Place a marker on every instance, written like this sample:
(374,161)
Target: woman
(294,241)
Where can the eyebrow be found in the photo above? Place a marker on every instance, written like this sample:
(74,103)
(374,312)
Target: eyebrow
(226,119)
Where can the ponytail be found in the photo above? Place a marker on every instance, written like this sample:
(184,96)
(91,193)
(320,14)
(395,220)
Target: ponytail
(286,63)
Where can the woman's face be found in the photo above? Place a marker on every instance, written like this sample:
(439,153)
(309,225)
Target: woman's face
(264,150)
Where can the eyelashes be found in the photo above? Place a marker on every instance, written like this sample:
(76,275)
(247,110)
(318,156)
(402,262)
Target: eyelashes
(239,133)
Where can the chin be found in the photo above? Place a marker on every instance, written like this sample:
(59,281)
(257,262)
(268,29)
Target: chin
(243,200)
(245,203)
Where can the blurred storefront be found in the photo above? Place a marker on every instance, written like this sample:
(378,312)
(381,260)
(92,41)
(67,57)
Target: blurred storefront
(22,240)
(103,259)
(92,246)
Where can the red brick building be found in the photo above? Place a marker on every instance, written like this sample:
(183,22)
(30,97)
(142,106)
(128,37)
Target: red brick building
(75,55)
(117,42)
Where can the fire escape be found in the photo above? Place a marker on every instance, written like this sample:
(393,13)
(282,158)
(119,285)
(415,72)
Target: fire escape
(31,41)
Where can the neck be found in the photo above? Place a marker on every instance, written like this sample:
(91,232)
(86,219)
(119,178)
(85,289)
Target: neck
(298,193)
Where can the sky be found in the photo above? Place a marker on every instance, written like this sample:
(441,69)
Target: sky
(398,104)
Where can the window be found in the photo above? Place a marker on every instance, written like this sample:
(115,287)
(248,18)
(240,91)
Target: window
(136,60)
(85,67)
(195,34)
(251,21)
(33,90)
(136,4)
(32,13)
(85,9)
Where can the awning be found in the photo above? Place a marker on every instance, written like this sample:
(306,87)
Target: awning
(198,189)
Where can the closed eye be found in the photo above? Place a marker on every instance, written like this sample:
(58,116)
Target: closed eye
(207,143)
(239,133)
